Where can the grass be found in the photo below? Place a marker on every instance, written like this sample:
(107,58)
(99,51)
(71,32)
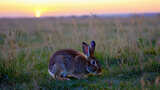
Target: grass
(127,48)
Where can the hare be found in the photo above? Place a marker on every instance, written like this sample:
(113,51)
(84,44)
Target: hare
(67,63)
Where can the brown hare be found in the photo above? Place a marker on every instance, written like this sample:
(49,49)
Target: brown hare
(70,63)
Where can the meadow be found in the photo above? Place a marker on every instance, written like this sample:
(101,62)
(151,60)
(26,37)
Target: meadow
(127,48)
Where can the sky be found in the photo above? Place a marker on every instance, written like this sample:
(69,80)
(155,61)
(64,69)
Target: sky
(40,8)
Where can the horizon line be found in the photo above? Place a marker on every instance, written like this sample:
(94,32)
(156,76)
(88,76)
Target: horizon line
(92,14)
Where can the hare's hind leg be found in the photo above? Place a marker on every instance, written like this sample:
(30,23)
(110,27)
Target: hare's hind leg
(63,75)
(58,76)
(58,72)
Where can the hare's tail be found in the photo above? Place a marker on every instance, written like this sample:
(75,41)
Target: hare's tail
(51,73)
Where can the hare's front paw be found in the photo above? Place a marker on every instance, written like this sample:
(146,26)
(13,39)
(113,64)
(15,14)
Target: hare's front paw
(78,76)
(62,78)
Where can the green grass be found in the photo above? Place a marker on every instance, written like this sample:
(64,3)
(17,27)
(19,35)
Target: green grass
(128,50)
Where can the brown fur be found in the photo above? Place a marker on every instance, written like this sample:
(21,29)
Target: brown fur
(68,62)
(71,52)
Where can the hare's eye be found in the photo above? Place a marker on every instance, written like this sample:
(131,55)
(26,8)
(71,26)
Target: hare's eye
(93,62)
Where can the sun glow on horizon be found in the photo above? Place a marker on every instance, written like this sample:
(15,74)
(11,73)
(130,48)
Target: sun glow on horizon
(38,8)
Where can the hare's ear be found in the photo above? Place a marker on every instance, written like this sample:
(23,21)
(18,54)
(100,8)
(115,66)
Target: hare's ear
(86,49)
(92,47)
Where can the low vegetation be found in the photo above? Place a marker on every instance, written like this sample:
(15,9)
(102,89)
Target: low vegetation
(127,48)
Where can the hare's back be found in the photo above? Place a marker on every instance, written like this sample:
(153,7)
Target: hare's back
(63,56)
(67,52)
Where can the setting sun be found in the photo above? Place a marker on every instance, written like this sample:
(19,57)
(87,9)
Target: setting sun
(37,13)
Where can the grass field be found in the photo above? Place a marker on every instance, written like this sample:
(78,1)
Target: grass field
(128,50)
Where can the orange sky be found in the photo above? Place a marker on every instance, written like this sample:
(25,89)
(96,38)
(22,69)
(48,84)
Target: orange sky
(38,8)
